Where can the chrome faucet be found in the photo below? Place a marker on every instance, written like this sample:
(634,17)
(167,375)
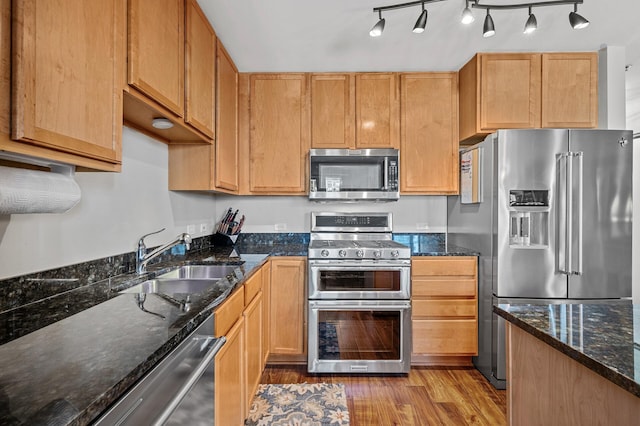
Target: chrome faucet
(142,257)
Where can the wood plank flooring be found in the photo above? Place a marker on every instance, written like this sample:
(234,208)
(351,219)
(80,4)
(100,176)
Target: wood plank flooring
(426,396)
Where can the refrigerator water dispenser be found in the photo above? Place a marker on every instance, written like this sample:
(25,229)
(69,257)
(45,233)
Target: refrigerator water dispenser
(529,218)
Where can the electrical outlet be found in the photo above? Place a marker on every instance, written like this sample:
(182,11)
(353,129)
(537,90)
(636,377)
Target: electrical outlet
(191,229)
(203,228)
(281,226)
(421,226)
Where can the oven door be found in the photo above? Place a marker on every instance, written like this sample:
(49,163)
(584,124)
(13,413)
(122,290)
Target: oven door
(359,336)
(361,279)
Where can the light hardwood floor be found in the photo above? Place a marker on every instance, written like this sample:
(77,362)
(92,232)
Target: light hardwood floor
(426,396)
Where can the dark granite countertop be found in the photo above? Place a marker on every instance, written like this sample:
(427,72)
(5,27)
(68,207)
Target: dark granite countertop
(431,245)
(67,357)
(599,336)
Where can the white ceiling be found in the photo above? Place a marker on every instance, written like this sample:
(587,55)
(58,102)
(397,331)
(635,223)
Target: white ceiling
(333,35)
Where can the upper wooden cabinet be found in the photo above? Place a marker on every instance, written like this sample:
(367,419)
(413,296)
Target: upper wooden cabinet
(429,133)
(203,167)
(200,70)
(226,161)
(527,90)
(354,110)
(377,105)
(332,111)
(278,133)
(67,81)
(570,90)
(159,72)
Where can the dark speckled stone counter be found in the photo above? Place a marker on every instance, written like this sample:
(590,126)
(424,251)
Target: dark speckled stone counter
(599,336)
(431,245)
(72,344)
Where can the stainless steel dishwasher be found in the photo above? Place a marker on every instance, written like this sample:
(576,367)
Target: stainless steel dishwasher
(178,391)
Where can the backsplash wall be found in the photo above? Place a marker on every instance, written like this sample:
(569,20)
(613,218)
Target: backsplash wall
(116,209)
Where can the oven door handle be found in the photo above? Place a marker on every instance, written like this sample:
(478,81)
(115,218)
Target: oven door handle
(390,305)
(359,266)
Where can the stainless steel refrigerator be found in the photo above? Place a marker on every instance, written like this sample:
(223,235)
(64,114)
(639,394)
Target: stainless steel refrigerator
(550,212)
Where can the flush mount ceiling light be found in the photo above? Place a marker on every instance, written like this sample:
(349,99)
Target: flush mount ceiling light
(421,23)
(577,21)
(162,123)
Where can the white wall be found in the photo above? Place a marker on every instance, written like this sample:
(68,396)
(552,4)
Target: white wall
(115,210)
(633,123)
(410,213)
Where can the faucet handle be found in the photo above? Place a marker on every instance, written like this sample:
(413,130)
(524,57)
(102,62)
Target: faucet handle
(141,240)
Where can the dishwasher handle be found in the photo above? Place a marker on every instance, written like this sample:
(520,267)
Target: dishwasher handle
(193,378)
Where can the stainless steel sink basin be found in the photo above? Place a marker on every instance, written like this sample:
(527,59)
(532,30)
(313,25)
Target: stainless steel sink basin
(190,272)
(172,286)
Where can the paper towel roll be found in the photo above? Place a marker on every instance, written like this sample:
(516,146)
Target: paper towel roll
(32,191)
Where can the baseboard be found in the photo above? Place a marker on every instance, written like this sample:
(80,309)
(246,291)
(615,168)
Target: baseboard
(440,360)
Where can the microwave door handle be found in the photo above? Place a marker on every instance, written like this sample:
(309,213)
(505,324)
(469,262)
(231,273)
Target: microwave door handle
(385,184)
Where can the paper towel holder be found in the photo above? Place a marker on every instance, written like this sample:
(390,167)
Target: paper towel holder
(55,166)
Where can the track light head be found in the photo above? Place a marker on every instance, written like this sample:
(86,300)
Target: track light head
(378,28)
(532,23)
(467,16)
(421,23)
(576,20)
(488,30)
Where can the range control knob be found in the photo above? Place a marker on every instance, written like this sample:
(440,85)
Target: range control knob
(342,253)
(395,253)
(377,253)
(324,253)
(360,253)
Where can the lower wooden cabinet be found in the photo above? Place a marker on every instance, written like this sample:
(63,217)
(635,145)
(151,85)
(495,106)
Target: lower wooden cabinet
(253,343)
(287,333)
(444,300)
(229,378)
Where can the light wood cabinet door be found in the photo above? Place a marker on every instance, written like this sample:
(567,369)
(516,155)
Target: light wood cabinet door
(253,343)
(509,91)
(444,300)
(68,77)
(332,111)
(286,305)
(429,133)
(570,90)
(200,64)
(226,168)
(377,111)
(266,311)
(229,379)
(279,133)
(156,51)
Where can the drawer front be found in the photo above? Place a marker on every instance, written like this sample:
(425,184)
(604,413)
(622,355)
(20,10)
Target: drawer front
(252,286)
(426,287)
(445,337)
(228,313)
(444,308)
(446,265)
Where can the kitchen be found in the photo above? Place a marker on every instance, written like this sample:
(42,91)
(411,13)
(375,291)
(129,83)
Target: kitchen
(117,208)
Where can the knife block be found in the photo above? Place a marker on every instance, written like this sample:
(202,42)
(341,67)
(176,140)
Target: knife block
(223,240)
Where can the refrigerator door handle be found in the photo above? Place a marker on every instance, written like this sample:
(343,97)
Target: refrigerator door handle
(577,196)
(563,173)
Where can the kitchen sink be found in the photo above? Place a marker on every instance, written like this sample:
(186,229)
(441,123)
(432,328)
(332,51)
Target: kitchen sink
(195,272)
(172,286)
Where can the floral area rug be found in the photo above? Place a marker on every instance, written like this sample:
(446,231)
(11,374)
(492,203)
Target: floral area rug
(305,404)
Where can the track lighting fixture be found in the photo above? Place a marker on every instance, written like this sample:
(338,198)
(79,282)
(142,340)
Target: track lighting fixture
(421,23)
(576,20)
(378,28)
(532,23)
(467,16)
(488,29)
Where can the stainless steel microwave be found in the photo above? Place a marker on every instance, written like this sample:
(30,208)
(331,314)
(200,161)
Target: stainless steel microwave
(354,174)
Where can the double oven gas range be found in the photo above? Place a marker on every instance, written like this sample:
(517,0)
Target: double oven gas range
(359,295)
